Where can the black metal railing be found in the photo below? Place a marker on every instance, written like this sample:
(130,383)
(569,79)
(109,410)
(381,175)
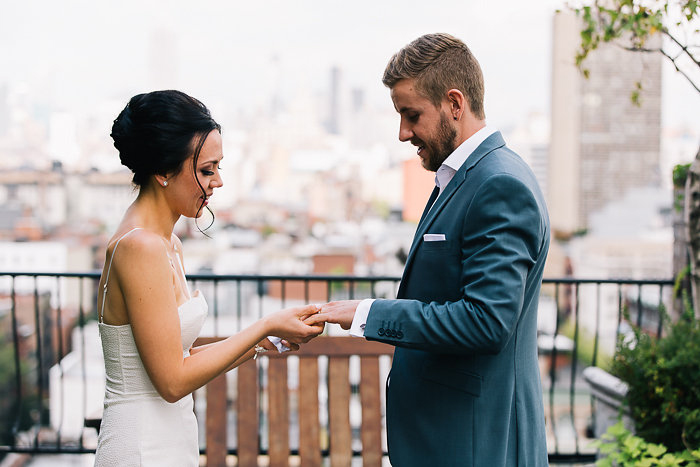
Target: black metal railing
(51,373)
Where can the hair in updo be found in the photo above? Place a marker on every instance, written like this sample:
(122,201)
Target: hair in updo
(157,131)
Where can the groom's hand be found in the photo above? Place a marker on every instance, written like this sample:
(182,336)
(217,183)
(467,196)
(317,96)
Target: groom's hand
(341,313)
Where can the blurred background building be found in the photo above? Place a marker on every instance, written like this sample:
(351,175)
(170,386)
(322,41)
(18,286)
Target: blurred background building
(315,179)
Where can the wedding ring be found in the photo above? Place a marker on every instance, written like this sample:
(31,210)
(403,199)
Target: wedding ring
(258,350)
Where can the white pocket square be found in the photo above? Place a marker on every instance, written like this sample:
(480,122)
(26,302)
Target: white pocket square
(434,238)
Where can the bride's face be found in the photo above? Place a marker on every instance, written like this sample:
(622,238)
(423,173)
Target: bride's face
(191,188)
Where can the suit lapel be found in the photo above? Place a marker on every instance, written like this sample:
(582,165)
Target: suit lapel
(430,214)
(431,200)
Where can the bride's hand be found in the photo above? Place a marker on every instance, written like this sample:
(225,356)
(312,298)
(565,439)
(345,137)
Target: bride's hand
(267,345)
(289,324)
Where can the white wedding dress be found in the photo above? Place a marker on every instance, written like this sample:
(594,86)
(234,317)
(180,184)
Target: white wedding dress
(139,428)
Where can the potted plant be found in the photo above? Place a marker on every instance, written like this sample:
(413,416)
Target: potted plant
(619,446)
(662,381)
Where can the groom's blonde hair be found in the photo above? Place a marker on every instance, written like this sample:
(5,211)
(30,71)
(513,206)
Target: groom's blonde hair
(439,62)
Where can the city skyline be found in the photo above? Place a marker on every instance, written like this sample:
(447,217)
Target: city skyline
(76,56)
(315,179)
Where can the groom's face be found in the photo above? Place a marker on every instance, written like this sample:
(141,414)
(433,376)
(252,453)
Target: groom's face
(426,126)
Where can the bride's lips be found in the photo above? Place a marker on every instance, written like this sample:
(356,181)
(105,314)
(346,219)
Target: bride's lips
(205,199)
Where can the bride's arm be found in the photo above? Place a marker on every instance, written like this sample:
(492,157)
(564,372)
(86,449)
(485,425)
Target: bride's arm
(244,358)
(265,343)
(145,279)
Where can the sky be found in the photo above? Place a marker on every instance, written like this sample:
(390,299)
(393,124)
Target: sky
(76,54)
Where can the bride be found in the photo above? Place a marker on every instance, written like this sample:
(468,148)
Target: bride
(148,318)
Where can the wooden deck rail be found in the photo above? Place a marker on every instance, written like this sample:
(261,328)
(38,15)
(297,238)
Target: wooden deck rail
(247,405)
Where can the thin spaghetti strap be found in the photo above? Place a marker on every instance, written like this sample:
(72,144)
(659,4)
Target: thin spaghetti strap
(182,270)
(109,268)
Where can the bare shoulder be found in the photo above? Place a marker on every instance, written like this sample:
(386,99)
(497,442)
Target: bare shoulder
(140,249)
(140,242)
(177,243)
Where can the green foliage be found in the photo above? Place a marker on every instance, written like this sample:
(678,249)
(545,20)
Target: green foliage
(620,447)
(680,174)
(663,376)
(606,21)
(10,412)
(679,283)
(267,230)
(609,21)
(630,23)
(381,208)
(7,408)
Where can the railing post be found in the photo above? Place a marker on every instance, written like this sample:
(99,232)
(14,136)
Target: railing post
(216,423)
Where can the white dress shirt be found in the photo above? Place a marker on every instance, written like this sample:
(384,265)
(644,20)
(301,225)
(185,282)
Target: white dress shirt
(443,177)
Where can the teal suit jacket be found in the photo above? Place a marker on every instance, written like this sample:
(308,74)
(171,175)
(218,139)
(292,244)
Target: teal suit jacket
(464,387)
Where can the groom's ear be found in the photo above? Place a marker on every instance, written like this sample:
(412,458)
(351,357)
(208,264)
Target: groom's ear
(457,104)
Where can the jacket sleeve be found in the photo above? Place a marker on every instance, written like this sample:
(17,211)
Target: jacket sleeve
(502,237)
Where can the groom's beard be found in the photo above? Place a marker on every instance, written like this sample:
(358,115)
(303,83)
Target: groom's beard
(441,146)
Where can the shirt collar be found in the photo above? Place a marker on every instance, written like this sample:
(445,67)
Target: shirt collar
(464,150)
(443,175)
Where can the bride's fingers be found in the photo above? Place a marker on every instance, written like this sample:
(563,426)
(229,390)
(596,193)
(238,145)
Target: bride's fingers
(305,311)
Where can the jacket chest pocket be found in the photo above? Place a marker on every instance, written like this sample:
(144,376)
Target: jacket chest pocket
(437,246)
(435,272)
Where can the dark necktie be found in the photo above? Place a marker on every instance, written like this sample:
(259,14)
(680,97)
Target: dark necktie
(431,200)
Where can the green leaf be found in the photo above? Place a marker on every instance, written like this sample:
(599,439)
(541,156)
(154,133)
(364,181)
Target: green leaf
(618,429)
(670,460)
(632,443)
(635,97)
(656,450)
(595,443)
(608,448)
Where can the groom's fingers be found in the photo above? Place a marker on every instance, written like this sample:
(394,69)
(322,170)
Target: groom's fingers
(317,319)
(293,347)
(319,328)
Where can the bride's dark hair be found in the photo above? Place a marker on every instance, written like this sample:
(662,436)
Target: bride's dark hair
(157,131)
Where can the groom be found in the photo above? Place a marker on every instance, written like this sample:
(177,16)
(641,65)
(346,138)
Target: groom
(464,387)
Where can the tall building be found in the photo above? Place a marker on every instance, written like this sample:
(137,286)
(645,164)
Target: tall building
(334,107)
(530,139)
(602,144)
